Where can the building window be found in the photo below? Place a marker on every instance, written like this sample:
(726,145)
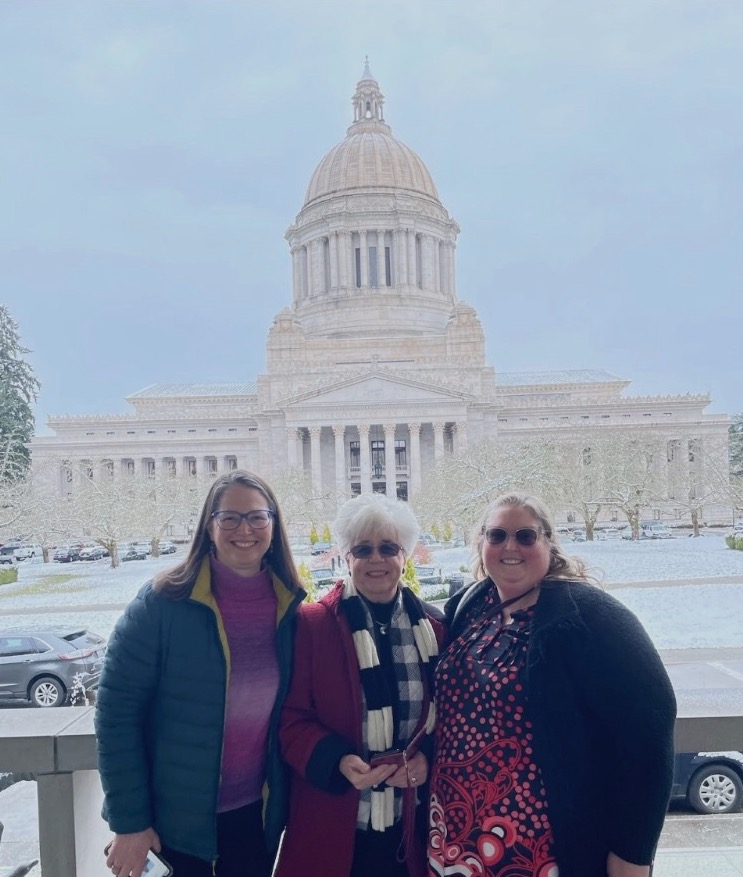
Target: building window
(192,430)
(190,465)
(150,432)
(111,433)
(387,267)
(656,514)
(149,468)
(107,467)
(647,415)
(355,488)
(357,266)
(87,468)
(354,456)
(128,467)
(571,517)
(614,515)
(402,490)
(502,420)
(231,463)
(401,454)
(130,432)
(170,467)
(211,467)
(89,433)
(171,432)
(672,450)
(693,449)
(377,453)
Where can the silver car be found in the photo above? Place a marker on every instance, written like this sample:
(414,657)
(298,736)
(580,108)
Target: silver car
(44,666)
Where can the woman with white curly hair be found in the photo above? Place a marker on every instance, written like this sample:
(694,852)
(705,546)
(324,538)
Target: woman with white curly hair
(356,727)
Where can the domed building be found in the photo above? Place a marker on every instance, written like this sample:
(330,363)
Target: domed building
(375,369)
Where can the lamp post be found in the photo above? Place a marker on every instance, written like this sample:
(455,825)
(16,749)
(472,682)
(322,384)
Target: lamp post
(377,468)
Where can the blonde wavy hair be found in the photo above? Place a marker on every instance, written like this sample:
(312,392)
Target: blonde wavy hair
(562,566)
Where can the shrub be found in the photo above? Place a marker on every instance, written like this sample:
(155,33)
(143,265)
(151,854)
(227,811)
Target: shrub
(410,577)
(308,583)
(8,575)
(734,542)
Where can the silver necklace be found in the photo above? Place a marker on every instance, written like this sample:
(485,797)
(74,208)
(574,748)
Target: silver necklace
(383,628)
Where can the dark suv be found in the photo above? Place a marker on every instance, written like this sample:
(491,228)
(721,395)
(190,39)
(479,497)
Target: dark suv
(41,666)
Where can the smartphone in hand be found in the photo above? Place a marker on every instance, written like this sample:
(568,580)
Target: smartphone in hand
(154,866)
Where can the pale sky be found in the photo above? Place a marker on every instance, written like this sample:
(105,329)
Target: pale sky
(154,153)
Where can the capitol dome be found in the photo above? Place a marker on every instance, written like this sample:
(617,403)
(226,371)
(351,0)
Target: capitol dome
(370,157)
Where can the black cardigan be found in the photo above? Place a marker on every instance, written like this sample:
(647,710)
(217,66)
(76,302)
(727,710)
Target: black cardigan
(603,710)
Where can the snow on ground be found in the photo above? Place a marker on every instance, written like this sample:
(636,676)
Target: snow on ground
(704,614)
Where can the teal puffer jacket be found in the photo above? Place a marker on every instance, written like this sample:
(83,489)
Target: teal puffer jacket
(160,718)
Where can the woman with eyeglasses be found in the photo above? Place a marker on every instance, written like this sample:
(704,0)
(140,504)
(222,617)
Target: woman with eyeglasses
(554,736)
(357,721)
(187,710)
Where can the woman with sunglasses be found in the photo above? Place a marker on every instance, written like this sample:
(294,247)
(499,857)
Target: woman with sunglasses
(554,737)
(194,678)
(362,686)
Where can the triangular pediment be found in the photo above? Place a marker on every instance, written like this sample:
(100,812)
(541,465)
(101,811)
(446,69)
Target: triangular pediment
(375,389)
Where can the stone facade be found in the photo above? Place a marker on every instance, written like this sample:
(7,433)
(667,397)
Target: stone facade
(376,369)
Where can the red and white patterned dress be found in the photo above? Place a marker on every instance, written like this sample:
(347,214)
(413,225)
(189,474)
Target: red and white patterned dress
(488,807)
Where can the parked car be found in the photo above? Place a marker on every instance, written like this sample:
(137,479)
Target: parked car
(26,552)
(97,552)
(579,535)
(9,550)
(428,575)
(132,553)
(166,547)
(325,577)
(7,559)
(67,553)
(711,782)
(320,548)
(40,666)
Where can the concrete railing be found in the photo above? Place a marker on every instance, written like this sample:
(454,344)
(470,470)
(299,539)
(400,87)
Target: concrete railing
(58,745)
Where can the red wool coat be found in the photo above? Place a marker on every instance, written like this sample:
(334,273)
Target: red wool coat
(320,723)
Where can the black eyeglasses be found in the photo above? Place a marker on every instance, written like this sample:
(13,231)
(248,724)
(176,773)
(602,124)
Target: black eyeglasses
(525,536)
(386,549)
(258,519)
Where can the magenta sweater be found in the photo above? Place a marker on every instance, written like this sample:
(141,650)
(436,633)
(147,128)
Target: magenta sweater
(248,610)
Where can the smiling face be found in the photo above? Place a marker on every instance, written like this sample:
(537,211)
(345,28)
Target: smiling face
(514,568)
(376,577)
(243,549)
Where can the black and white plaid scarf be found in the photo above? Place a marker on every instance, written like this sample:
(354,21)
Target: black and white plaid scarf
(414,653)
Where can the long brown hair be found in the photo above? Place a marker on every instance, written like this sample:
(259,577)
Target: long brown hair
(562,566)
(178,582)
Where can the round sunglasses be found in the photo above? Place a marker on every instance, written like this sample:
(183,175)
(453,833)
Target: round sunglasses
(525,536)
(386,549)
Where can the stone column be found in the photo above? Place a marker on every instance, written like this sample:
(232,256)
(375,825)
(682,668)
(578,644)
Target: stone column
(365,459)
(340,245)
(400,262)
(310,284)
(461,436)
(436,265)
(292,437)
(380,261)
(296,274)
(415,458)
(340,461)
(438,441)
(351,260)
(315,460)
(452,270)
(412,271)
(427,262)
(390,470)
(333,250)
(364,253)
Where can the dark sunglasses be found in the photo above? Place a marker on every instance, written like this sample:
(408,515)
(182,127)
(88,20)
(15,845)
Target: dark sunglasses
(525,536)
(386,549)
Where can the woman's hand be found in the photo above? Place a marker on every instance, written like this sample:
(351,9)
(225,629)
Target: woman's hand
(360,774)
(616,867)
(127,852)
(417,773)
